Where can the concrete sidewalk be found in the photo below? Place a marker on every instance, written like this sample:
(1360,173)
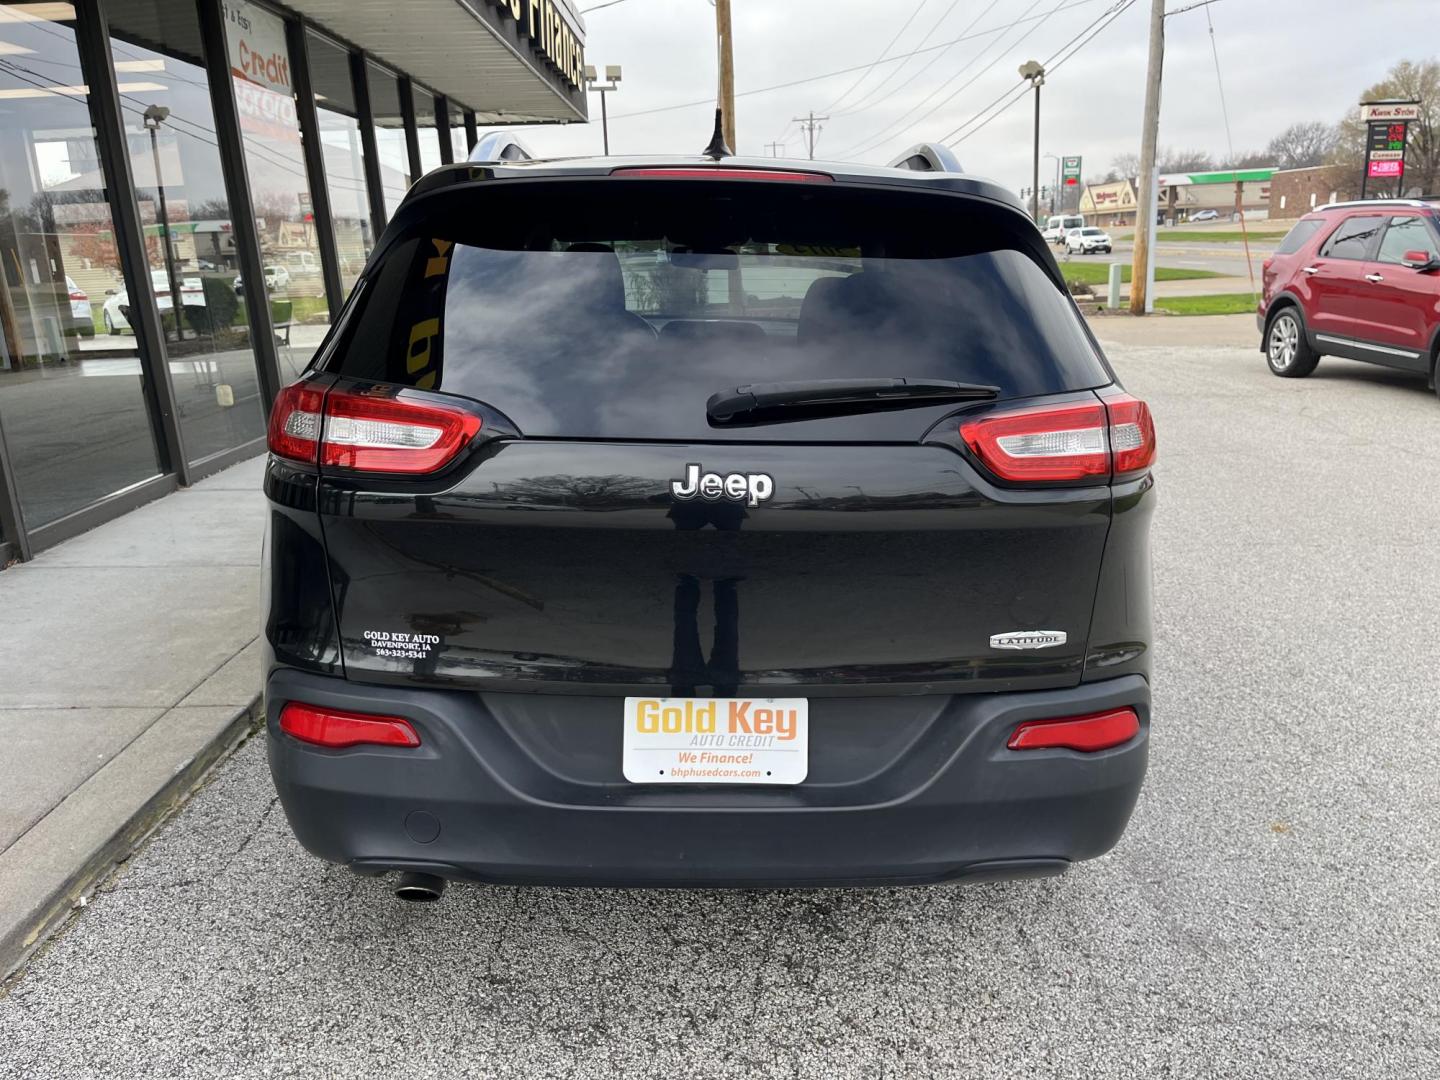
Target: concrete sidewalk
(133,665)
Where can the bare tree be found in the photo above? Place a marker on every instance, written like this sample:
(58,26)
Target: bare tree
(1183,161)
(1248,159)
(1124,167)
(1302,145)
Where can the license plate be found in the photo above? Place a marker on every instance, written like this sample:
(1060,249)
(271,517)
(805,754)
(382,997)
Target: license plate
(716,740)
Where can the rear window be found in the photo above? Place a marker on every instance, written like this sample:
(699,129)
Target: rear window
(620,316)
(1298,236)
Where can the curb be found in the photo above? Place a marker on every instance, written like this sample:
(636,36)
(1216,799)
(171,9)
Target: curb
(50,870)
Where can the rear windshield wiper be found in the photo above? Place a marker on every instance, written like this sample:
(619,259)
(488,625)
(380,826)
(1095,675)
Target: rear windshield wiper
(760,403)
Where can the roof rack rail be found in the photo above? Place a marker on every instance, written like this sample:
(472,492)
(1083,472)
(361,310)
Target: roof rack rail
(1376,202)
(500,146)
(928,157)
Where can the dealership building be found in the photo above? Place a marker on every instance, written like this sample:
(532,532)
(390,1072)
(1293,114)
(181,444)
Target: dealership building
(241,156)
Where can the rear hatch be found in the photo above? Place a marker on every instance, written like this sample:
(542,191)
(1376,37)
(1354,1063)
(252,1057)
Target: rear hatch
(604,532)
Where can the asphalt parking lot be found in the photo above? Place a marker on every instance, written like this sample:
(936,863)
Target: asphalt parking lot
(1274,909)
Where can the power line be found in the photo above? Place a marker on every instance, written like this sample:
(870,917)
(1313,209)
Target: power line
(883,53)
(930,63)
(892,130)
(597,7)
(1051,64)
(710,101)
(1229,143)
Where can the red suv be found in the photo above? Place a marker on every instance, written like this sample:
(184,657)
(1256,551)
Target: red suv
(1360,280)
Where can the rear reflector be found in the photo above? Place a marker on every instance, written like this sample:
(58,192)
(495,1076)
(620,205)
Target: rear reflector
(725,174)
(1062,443)
(336,728)
(1087,734)
(368,432)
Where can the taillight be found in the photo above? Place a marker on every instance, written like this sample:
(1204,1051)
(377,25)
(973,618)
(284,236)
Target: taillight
(1132,435)
(1050,444)
(383,433)
(295,423)
(337,728)
(76,294)
(1087,734)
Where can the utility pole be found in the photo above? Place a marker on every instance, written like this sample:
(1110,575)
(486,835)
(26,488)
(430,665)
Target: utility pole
(727,71)
(1140,299)
(775,148)
(810,126)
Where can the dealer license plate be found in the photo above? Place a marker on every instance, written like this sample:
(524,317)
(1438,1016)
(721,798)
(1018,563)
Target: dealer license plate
(716,740)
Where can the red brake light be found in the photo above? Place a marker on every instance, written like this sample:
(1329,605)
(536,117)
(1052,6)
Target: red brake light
(1061,443)
(76,294)
(337,728)
(1042,445)
(1087,734)
(725,174)
(379,433)
(390,434)
(1132,434)
(294,431)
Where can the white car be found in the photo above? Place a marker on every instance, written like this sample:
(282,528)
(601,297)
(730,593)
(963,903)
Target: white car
(1087,240)
(81,321)
(276,277)
(113,313)
(1206,215)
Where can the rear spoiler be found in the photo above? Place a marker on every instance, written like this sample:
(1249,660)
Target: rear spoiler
(928,157)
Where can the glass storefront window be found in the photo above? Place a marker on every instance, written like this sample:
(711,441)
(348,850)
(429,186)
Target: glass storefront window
(289,245)
(425,129)
(170,131)
(395,175)
(344,155)
(460,141)
(71,399)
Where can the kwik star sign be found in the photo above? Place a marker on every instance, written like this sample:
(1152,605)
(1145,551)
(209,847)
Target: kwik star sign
(1386,132)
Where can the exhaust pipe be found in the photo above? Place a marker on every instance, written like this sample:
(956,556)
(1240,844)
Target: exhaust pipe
(420,888)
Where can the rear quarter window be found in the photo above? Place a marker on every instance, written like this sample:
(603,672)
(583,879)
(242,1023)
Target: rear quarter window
(621,318)
(1299,235)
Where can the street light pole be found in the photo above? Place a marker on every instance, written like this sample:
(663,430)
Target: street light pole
(592,82)
(1035,72)
(153,117)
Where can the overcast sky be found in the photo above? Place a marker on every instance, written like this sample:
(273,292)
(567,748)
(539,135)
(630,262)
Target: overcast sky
(1282,61)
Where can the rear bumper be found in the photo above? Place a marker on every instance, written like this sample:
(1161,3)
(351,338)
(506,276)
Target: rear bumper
(526,789)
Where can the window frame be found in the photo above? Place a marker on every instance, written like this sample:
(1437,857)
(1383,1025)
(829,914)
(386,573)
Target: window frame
(1370,247)
(1430,234)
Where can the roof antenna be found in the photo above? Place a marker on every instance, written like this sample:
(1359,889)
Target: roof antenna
(717,148)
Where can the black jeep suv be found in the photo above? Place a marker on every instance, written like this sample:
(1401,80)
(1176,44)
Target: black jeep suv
(708,523)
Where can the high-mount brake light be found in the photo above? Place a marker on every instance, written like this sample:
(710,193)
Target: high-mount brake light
(382,433)
(791,175)
(1064,443)
(337,728)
